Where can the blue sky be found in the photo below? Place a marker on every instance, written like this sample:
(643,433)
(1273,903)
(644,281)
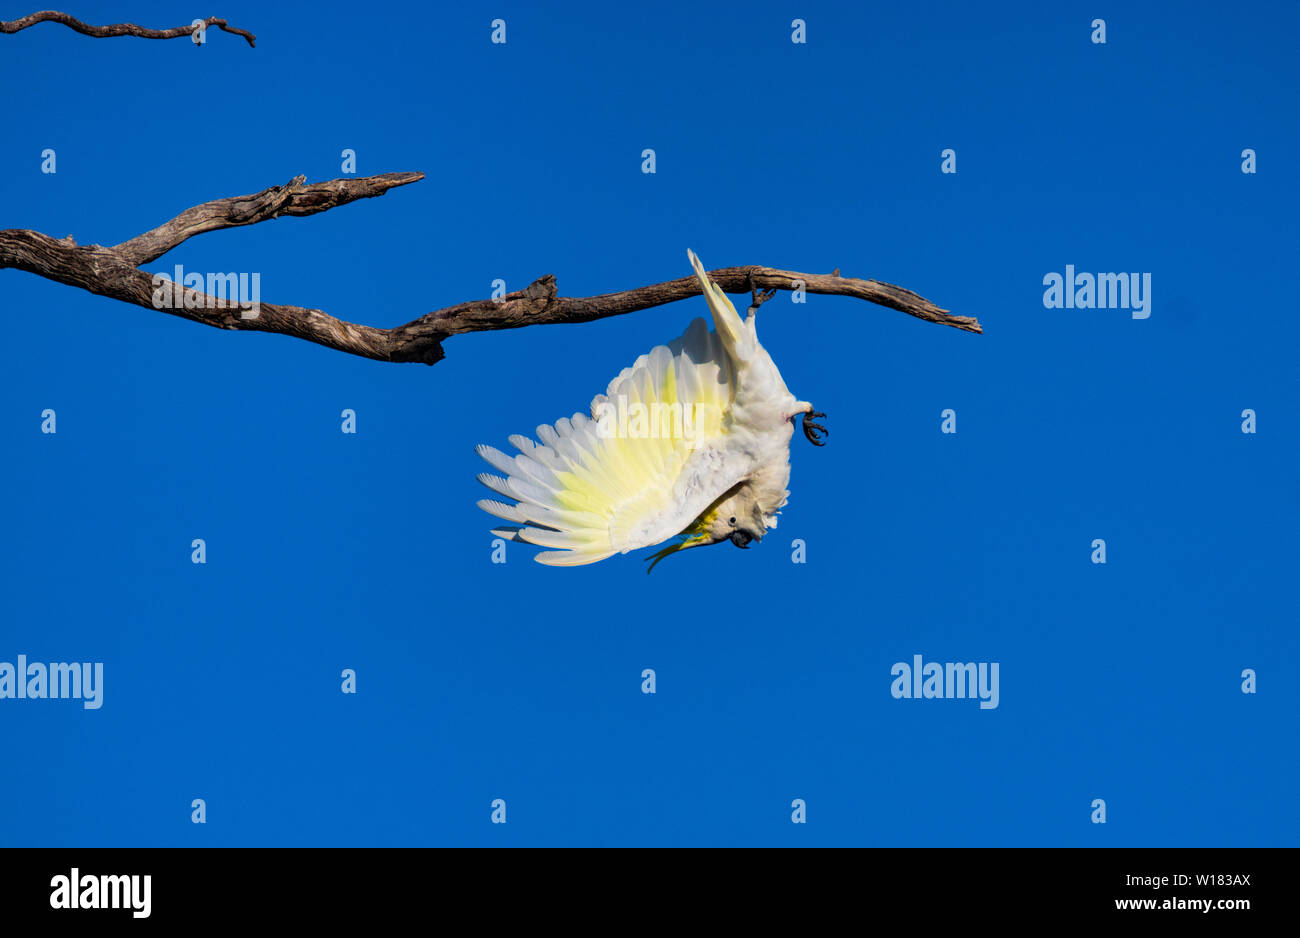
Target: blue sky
(479,681)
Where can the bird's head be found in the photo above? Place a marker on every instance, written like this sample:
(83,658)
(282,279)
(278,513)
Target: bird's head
(739,520)
(736,517)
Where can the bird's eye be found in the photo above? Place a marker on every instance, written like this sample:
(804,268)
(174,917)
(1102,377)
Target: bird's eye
(731,520)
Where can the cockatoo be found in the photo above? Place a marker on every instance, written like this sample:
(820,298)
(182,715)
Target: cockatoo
(692,440)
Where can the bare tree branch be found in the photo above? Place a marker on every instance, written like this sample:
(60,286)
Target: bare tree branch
(117,29)
(296,198)
(114,272)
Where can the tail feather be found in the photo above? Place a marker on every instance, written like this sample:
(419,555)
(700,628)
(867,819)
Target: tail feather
(726,321)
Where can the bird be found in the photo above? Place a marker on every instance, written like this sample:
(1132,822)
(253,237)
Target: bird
(691,441)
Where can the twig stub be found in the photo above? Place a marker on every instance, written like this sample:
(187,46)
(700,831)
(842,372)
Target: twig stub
(114,272)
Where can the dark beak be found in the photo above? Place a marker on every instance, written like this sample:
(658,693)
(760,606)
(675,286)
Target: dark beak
(741,539)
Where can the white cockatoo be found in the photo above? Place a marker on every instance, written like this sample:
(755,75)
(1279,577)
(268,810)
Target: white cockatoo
(692,440)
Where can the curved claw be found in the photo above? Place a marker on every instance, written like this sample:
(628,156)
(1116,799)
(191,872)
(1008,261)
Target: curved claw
(758,297)
(814,431)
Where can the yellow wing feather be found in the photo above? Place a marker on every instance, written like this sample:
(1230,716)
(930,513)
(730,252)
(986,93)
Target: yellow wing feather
(646,464)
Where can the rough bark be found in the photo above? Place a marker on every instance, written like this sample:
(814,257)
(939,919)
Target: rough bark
(114,272)
(117,29)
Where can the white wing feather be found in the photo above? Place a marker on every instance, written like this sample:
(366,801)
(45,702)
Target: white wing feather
(588,495)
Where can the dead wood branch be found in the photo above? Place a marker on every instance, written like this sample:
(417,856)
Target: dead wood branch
(118,29)
(114,272)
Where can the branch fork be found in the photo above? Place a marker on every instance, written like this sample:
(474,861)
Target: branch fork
(121,29)
(115,272)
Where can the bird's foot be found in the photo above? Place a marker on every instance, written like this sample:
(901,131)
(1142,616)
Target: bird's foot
(758,297)
(814,431)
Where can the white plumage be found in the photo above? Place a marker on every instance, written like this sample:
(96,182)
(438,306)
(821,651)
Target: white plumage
(692,439)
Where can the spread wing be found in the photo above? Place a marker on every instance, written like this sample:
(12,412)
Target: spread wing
(652,457)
